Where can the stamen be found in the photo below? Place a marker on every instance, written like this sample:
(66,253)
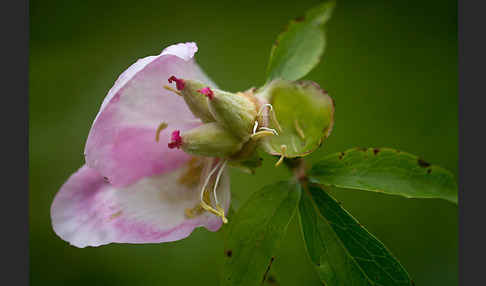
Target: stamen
(270,130)
(179,82)
(283,149)
(299,130)
(161,127)
(192,174)
(204,204)
(218,210)
(255,126)
(267,131)
(207,92)
(272,116)
(263,106)
(173,90)
(220,172)
(206,181)
(191,213)
(221,210)
(261,134)
(176,140)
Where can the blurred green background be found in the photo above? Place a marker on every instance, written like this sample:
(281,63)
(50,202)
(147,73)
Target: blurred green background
(391,67)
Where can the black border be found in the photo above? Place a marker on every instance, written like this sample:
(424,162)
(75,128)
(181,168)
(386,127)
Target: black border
(14,211)
(472,194)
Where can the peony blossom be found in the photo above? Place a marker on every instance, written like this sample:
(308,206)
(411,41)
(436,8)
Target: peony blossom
(134,188)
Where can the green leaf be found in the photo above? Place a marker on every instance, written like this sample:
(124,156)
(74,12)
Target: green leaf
(255,232)
(299,48)
(342,250)
(388,171)
(305,115)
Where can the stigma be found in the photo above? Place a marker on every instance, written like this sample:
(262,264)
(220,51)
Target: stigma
(180,84)
(175,140)
(207,92)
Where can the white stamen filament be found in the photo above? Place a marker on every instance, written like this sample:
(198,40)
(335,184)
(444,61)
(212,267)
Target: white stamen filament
(255,126)
(270,129)
(220,172)
(218,210)
(206,181)
(263,106)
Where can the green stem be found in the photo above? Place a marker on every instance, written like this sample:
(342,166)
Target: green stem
(298,167)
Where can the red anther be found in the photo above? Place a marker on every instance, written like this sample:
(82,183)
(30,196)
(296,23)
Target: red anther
(207,92)
(179,82)
(175,140)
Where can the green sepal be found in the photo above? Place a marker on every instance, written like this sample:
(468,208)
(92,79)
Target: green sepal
(305,113)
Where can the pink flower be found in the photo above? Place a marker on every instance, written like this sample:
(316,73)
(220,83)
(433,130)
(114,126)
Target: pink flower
(132,188)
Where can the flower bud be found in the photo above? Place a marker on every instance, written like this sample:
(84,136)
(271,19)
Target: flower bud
(210,140)
(236,111)
(197,102)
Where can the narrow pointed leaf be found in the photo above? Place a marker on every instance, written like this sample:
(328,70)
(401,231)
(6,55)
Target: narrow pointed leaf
(342,250)
(255,232)
(299,48)
(388,171)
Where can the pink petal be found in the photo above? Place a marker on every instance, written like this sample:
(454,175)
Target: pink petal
(121,144)
(88,211)
(185,51)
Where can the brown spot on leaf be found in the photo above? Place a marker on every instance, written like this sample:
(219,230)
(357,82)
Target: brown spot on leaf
(272,280)
(229,253)
(341,155)
(429,171)
(285,29)
(300,19)
(376,151)
(423,163)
